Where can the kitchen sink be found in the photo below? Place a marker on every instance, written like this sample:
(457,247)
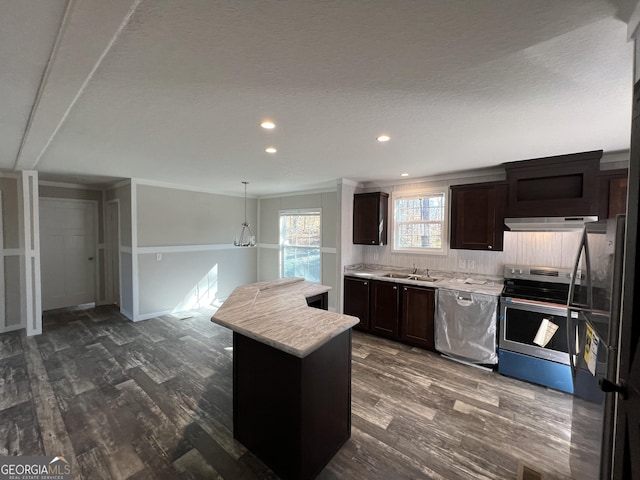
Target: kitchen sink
(424,279)
(406,276)
(398,275)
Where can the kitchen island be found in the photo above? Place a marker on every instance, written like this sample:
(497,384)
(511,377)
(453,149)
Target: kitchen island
(291,375)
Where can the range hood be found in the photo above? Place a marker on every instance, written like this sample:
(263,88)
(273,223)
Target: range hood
(548,224)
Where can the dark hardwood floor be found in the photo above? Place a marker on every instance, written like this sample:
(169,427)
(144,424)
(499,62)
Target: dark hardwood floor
(153,400)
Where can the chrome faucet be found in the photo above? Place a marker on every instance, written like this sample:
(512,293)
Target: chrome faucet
(415,270)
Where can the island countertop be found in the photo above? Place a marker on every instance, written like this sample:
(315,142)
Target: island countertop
(276,313)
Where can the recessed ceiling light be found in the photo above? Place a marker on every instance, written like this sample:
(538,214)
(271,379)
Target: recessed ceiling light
(404,174)
(268,125)
(270,150)
(383,138)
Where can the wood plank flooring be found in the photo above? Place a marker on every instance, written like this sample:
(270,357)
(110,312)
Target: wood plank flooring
(153,400)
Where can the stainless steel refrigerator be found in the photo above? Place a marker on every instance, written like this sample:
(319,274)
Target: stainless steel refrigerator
(593,332)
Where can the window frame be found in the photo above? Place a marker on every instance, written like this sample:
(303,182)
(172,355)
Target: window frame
(424,192)
(281,246)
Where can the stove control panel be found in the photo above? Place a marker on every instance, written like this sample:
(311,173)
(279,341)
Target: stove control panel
(540,274)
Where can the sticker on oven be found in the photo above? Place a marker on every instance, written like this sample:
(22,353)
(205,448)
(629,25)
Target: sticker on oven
(545,332)
(591,350)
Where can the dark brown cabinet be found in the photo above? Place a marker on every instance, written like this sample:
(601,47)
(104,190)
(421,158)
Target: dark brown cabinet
(563,185)
(477,216)
(370,212)
(320,301)
(356,301)
(394,310)
(416,318)
(383,312)
(612,193)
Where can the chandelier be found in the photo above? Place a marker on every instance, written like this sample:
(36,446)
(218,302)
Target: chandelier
(246,237)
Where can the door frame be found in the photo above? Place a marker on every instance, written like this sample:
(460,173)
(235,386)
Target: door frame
(626,440)
(112,251)
(94,204)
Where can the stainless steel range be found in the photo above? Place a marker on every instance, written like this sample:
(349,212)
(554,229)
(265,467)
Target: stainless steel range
(532,344)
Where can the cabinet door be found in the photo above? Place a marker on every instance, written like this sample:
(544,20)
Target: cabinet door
(416,318)
(356,301)
(477,216)
(383,314)
(370,218)
(612,193)
(562,185)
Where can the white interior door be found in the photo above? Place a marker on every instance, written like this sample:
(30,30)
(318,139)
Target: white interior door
(68,252)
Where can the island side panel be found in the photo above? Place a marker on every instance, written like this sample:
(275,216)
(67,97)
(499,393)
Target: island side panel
(266,404)
(293,413)
(326,403)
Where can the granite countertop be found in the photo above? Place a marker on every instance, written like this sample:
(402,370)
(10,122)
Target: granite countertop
(446,280)
(276,313)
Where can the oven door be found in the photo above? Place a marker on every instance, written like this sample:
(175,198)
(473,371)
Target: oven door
(535,329)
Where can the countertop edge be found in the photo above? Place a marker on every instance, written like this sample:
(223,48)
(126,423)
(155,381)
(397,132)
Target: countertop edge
(296,352)
(242,309)
(493,288)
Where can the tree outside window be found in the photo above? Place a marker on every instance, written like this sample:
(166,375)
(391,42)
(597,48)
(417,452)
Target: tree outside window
(300,241)
(419,222)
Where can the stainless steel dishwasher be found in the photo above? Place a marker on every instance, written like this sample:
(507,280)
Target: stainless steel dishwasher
(466,326)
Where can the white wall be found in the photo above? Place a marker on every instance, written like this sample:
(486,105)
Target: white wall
(183,248)
(269,235)
(520,248)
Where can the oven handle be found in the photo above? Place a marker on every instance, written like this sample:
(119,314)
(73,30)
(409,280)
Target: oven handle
(571,346)
(534,303)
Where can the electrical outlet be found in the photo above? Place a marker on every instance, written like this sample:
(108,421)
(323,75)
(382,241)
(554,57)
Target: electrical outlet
(462,264)
(158,257)
(471,264)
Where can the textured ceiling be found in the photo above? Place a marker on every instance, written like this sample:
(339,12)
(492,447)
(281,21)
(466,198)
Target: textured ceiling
(174,91)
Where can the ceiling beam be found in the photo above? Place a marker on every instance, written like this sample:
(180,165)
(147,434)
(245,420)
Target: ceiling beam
(87,32)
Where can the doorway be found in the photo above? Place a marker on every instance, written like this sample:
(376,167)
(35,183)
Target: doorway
(68,233)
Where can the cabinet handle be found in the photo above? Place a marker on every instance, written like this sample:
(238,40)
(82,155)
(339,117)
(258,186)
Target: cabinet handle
(395,288)
(405,289)
(373,241)
(366,283)
(490,247)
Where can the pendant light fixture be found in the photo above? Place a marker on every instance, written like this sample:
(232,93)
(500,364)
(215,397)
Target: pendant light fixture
(246,238)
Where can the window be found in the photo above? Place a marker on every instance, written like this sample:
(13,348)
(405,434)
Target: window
(300,244)
(419,222)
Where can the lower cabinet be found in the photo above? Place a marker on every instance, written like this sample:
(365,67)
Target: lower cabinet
(320,301)
(393,310)
(416,319)
(356,301)
(383,308)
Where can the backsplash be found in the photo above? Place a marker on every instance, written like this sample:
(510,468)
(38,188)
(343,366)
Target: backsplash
(549,249)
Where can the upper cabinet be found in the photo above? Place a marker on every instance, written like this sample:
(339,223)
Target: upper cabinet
(477,216)
(370,212)
(563,185)
(612,193)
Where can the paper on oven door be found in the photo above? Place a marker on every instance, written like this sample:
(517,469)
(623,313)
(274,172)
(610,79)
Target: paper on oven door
(545,332)
(591,350)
